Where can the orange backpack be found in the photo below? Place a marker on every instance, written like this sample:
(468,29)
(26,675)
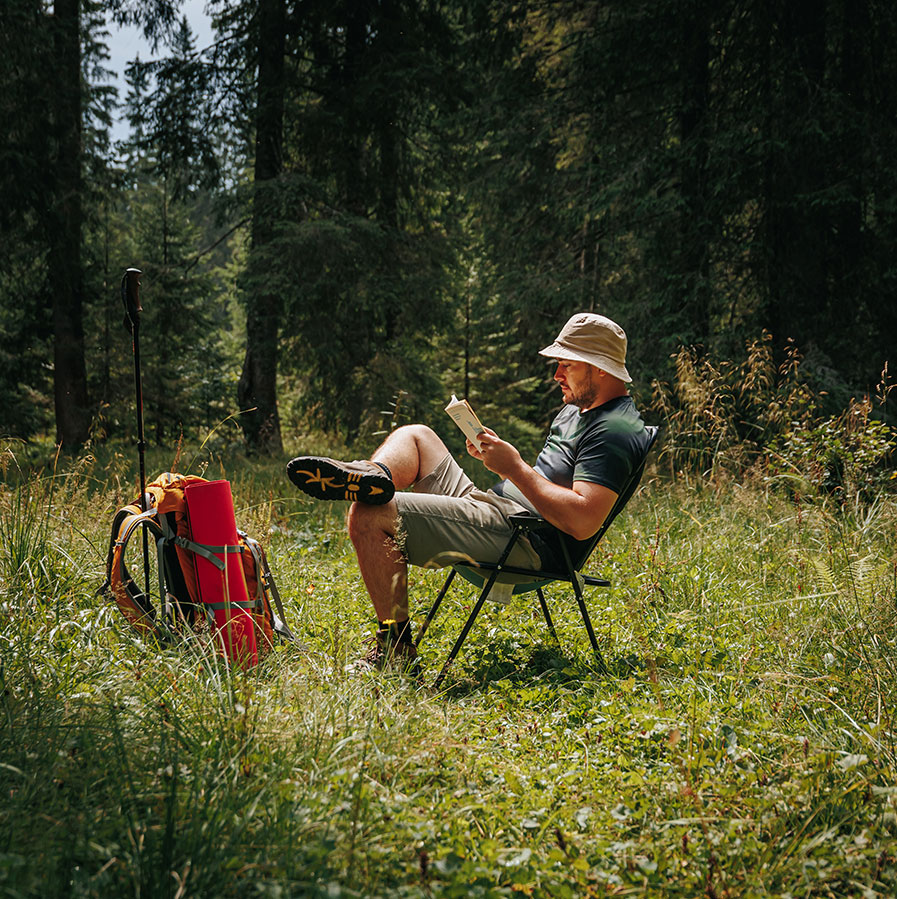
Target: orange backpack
(166,523)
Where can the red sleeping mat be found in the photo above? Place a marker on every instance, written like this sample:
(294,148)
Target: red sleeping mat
(210,508)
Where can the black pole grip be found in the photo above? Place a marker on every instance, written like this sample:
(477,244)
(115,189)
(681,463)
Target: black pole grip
(130,297)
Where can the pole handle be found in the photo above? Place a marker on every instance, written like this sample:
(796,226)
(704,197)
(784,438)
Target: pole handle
(130,297)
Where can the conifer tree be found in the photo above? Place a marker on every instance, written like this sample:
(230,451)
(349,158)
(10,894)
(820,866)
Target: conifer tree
(64,262)
(25,318)
(170,165)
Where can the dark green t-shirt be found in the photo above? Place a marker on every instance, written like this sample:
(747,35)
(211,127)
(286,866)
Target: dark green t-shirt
(601,446)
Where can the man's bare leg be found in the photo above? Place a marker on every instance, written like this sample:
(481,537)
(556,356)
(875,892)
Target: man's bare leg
(410,453)
(384,570)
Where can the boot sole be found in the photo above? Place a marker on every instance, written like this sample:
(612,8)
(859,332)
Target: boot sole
(327,479)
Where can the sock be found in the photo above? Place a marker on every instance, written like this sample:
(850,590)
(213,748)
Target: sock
(385,468)
(395,631)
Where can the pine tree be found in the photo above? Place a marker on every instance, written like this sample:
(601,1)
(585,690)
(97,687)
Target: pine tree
(365,255)
(65,237)
(25,319)
(170,164)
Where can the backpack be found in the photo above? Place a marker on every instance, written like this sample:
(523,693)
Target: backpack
(199,585)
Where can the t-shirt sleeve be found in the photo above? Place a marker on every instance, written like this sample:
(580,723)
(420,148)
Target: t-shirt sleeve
(606,453)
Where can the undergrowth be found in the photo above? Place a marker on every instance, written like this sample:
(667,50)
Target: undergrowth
(742,744)
(736,417)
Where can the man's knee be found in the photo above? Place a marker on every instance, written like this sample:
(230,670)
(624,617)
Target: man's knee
(358,521)
(363,520)
(419,433)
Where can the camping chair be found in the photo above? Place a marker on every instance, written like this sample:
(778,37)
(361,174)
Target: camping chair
(573,553)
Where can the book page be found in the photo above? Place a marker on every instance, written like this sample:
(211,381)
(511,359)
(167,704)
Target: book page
(465,418)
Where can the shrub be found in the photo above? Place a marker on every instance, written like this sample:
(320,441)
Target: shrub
(849,456)
(721,415)
(725,417)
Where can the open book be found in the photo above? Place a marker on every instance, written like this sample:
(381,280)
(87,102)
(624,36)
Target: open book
(465,418)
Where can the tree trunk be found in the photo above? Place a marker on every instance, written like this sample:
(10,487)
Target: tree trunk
(65,277)
(694,230)
(257,387)
(798,288)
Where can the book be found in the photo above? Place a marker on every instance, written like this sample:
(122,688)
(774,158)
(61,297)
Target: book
(461,412)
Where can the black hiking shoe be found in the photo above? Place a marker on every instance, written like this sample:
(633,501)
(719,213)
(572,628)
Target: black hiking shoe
(384,653)
(323,478)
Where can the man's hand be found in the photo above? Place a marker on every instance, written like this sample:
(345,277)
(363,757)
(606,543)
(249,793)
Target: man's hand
(496,454)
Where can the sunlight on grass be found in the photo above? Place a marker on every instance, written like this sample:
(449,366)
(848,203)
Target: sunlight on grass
(742,744)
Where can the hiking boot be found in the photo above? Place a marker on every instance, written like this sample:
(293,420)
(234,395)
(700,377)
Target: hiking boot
(359,481)
(384,653)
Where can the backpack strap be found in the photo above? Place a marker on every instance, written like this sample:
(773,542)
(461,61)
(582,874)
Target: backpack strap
(280,624)
(201,549)
(266,582)
(232,604)
(126,522)
(120,516)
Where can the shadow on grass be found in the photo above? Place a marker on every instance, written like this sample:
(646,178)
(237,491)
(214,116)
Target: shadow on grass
(503,659)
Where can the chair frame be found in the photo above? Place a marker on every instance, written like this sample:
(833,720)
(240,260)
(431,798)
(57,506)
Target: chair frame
(573,554)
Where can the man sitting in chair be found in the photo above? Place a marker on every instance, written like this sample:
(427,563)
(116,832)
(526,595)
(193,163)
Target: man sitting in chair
(594,444)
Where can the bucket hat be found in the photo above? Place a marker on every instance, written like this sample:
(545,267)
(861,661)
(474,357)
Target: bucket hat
(595,339)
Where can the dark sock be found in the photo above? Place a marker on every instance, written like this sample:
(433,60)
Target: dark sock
(385,468)
(395,631)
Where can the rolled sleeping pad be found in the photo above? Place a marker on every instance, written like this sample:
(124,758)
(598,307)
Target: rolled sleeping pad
(210,508)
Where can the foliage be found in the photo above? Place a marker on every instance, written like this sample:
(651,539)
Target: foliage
(362,256)
(742,746)
(155,214)
(170,126)
(726,418)
(695,170)
(452,175)
(851,455)
(720,415)
(25,320)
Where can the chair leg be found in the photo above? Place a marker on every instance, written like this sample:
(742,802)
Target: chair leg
(506,552)
(547,615)
(431,613)
(464,631)
(577,589)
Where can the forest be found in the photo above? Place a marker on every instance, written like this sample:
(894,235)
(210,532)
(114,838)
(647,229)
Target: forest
(341,208)
(343,212)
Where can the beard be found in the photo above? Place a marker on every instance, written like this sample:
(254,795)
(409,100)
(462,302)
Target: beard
(586,393)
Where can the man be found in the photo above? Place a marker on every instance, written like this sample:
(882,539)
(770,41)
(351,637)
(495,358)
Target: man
(594,444)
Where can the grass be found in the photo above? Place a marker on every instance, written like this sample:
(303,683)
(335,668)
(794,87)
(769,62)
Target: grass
(742,745)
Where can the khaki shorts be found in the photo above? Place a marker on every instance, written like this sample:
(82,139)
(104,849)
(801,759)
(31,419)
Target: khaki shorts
(446,519)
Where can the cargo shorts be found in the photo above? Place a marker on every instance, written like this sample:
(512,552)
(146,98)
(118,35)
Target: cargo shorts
(447,519)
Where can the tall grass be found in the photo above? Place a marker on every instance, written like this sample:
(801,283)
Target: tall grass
(743,744)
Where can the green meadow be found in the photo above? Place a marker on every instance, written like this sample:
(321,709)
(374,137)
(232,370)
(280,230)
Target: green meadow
(742,743)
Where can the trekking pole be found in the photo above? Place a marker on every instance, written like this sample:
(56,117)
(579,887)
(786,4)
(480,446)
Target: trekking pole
(130,296)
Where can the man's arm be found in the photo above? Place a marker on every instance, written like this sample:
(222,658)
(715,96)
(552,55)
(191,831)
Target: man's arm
(578,510)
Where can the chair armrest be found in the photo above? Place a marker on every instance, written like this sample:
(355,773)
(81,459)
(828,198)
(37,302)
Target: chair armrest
(528,521)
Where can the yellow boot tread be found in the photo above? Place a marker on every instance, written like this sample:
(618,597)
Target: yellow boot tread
(330,479)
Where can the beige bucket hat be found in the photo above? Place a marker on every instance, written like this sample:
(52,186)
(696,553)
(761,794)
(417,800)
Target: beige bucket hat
(589,337)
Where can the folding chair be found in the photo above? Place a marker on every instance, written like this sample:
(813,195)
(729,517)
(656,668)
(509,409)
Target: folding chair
(573,554)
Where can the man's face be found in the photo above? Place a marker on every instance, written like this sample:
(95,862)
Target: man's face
(578,383)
